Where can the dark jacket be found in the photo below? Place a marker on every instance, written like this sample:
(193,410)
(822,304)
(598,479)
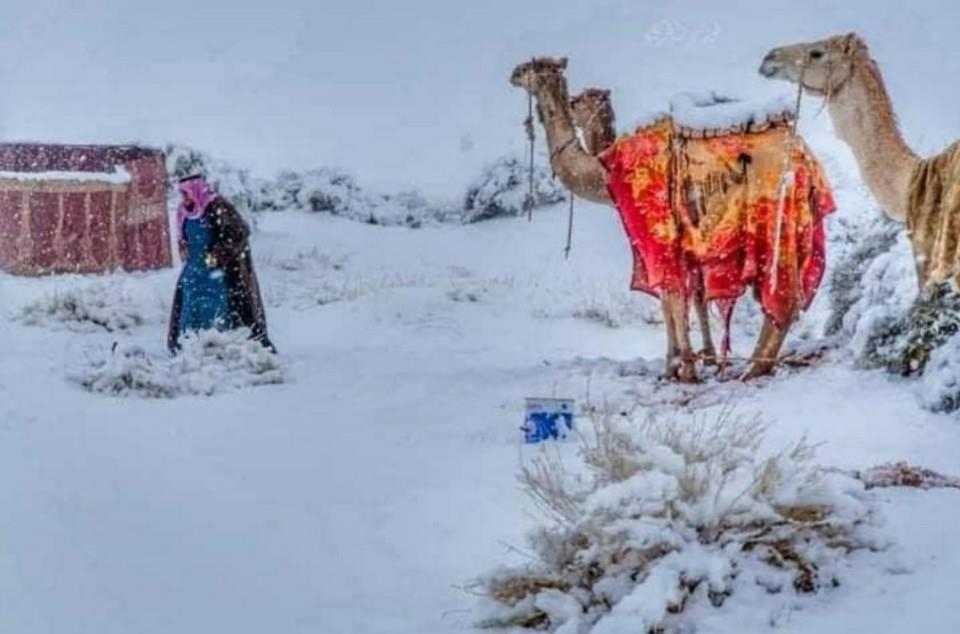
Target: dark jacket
(231,248)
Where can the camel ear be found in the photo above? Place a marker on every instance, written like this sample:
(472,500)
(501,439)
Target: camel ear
(563,63)
(853,43)
(606,93)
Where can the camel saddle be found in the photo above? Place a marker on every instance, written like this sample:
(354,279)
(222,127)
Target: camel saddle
(933,218)
(698,190)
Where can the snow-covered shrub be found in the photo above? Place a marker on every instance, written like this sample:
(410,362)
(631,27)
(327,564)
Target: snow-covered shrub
(668,514)
(320,191)
(846,284)
(874,299)
(336,192)
(90,307)
(323,190)
(209,362)
(126,371)
(940,385)
(502,189)
(905,345)
(237,185)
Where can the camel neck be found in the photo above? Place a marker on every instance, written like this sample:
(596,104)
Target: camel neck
(863,117)
(553,110)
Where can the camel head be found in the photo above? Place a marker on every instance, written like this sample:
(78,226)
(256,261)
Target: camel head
(824,65)
(535,74)
(589,105)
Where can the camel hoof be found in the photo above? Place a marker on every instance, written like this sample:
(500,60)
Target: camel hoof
(709,357)
(757,370)
(687,374)
(682,374)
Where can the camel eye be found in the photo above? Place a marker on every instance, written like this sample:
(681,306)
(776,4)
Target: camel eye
(816,54)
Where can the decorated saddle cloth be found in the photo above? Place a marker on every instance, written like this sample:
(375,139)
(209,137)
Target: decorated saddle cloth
(933,217)
(699,206)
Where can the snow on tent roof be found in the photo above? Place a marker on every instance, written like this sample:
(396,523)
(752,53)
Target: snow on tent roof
(119,176)
(715,111)
(43,157)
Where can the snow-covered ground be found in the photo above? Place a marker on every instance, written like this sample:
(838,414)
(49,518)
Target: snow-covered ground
(373,474)
(361,494)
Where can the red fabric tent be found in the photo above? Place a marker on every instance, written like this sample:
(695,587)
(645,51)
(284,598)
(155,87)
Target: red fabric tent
(82,209)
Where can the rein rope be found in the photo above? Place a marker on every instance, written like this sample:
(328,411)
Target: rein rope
(787,179)
(531,138)
(569,245)
(557,152)
(528,202)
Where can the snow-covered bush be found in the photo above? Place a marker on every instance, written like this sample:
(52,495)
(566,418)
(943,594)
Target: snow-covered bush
(668,514)
(940,384)
(209,362)
(323,190)
(86,307)
(237,185)
(905,345)
(502,189)
(335,192)
(875,301)
(847,282)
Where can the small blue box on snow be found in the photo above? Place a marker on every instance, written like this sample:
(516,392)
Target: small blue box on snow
(548,419)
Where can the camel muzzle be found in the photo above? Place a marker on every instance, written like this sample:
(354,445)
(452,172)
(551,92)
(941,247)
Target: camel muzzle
(772,66)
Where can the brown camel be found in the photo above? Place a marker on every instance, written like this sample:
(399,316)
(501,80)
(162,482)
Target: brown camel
(841,70)
(922,192)
(593,115)
(585,176)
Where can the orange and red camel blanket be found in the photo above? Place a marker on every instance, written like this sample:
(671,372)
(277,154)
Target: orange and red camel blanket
(698,208)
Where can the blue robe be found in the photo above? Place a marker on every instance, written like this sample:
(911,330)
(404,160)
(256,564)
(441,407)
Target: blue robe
(205,300)
(227,296)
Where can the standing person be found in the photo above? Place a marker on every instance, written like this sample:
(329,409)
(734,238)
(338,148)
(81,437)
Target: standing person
(217,287)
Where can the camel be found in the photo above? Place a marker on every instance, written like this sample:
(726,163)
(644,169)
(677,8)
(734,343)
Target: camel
(922,192)
(593,114)
(841,70)
(583,174)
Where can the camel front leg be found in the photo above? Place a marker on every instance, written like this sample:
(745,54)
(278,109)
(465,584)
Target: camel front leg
(683,366)
(768,348)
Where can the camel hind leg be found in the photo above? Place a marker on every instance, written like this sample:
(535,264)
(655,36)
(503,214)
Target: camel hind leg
(765,354)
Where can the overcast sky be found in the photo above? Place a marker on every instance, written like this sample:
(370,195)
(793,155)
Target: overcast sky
(412,93)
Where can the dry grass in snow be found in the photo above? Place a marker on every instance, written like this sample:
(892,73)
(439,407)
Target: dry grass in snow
(663,513)
(209,362)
